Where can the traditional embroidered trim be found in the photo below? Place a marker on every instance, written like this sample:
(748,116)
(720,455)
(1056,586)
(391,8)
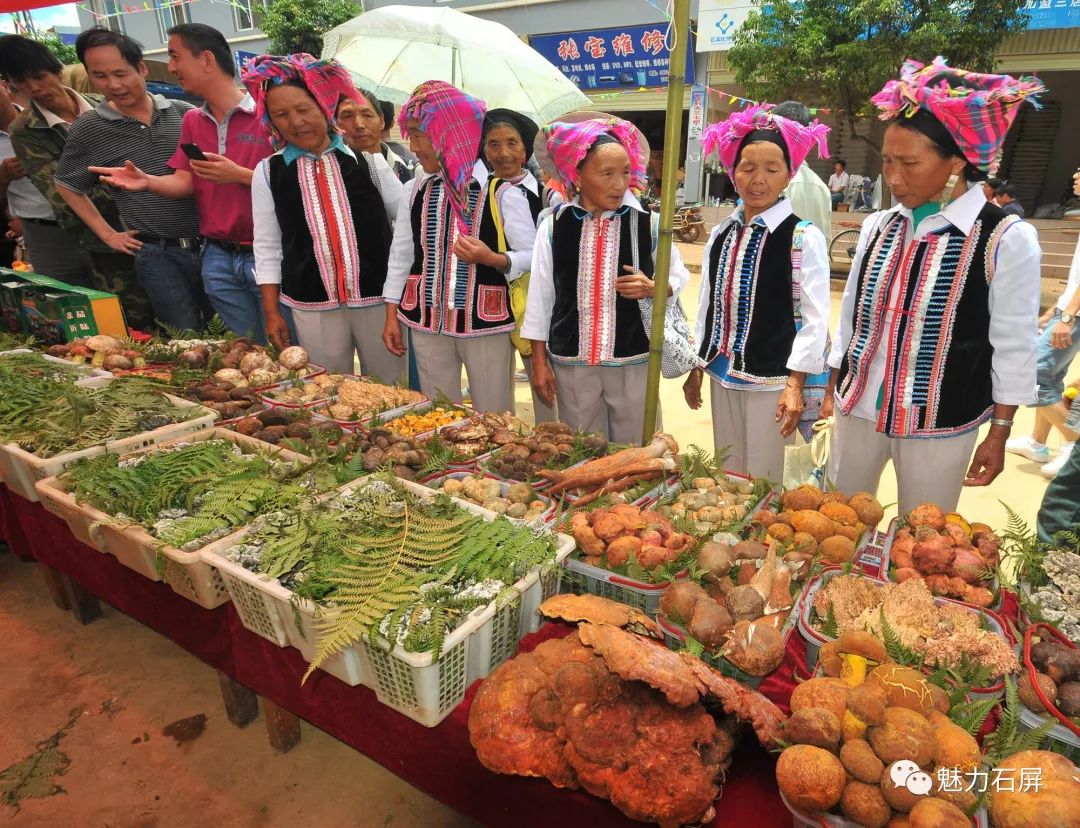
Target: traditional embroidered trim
(611,362)
(330,225)
(748,268)
(993,242)
(884,254)
(364,302)
(598,265)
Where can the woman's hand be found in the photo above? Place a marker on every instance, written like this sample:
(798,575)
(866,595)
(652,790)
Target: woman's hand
(634,285)
(692,388)
(391,335)
(1061,335)
(828,406)
(790,408)
(543,378)
(277,329)
(474,251)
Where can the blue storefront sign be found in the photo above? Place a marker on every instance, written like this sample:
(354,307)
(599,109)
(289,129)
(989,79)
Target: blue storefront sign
(1052,14)
(629,56)
(243,59)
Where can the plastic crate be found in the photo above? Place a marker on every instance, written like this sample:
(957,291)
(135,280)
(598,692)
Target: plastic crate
(885,574)
(418,685)
(815,639)
(83,520)
(186,573)
(435,481)
(675,638)
(1064,736)
(587,579)
(803,819)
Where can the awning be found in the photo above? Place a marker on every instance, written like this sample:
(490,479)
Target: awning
(12,6)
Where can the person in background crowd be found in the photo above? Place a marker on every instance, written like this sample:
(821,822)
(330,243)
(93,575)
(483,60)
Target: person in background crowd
(398,148)
(25,206)
(938,322)
(989,188)
(1060,510)
(232,141)
(448,280)
(554,191)
(362,128)
(143,129)
(322,218)
(809,195)
(594,259)
(1005,198)
(507,147)
(67,250)
(1058,346)
(838,182)
(763,312)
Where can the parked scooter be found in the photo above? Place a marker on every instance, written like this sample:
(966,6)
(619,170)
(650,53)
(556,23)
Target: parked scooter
(689,224)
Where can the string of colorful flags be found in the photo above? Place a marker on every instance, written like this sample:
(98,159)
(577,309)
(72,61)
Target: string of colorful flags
(732,98)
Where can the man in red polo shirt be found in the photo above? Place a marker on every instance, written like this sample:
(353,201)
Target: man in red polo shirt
(233,140)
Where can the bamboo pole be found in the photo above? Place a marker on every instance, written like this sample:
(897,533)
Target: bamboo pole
(672,142)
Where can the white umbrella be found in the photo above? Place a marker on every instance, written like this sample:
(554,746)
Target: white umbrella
(393,49)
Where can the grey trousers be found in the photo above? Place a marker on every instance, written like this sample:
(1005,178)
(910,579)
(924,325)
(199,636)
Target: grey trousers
(487,361)
(542,412)
(56,252)
(609,400)
(745,427)
(335,338)
(927,470)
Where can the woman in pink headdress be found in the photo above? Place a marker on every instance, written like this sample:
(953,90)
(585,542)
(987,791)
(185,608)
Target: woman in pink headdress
(592,261)
(322,218)
(938,327)
(462,235)
(763,316)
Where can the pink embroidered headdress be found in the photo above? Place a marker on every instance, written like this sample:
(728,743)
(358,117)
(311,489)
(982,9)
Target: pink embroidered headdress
(568,143)
(727,136)
(976,109)
(454,121)
(327,81)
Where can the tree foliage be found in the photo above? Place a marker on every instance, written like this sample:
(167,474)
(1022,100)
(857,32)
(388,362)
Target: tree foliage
(837,53)
(65,52)
(299,25)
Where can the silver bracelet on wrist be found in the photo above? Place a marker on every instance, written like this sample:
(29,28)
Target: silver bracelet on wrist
(1002,423)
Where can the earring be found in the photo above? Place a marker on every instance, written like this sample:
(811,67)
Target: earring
(946,194)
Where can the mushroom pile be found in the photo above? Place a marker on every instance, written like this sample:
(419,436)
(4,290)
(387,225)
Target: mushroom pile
(611,710)
(481,433)
(712,504)
(515,500)
(101,351)
(551,445)
(1057,672)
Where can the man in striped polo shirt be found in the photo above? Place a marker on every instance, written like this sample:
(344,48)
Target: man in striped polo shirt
(134,127)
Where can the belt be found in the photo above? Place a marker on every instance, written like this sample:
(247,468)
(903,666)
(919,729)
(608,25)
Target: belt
(187,244)
(231,246)
(46,222)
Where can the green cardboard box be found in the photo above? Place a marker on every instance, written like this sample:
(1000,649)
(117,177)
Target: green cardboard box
(55,311)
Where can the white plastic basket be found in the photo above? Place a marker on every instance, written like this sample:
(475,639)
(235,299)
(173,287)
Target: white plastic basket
(83,520)
(418,685)
(585,578)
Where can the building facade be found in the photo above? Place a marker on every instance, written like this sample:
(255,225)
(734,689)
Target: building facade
(149,21)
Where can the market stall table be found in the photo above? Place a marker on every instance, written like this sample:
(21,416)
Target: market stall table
(439,761)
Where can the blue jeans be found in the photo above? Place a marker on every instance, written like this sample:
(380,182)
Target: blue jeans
(1054,362)
(229,279)
(170,276)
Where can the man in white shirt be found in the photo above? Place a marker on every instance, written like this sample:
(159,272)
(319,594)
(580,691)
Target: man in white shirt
(808,194)
(838,182)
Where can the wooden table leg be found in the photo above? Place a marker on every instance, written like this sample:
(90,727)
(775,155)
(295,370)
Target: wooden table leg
(84,605)
(241,703)
(282,726)
(54,581)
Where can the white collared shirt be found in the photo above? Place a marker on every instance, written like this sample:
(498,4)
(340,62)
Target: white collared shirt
(810,199)
(1013,302)
(517,225)
(1074,280)
(24,200)
(808,349)
(266,246)
(541,302)
(52,119)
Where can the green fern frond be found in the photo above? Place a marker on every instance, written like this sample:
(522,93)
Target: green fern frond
(830,627)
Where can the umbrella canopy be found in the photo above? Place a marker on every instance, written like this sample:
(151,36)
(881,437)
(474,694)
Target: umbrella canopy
(393,49)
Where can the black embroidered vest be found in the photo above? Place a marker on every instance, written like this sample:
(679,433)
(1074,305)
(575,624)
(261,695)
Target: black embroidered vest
(442,294)
(590,323)
(751,315)
(309,265)
(938,356)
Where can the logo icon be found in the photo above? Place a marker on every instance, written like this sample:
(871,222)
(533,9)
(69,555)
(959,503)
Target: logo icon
(906,774)
(725,23)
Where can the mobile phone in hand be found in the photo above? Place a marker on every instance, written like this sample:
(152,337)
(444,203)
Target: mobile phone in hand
(193,152)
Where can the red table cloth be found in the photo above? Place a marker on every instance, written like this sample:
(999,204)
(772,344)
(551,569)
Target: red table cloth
(439,761)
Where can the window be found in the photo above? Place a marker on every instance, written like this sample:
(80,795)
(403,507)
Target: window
(108,13)
(169,16)
(243,16)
